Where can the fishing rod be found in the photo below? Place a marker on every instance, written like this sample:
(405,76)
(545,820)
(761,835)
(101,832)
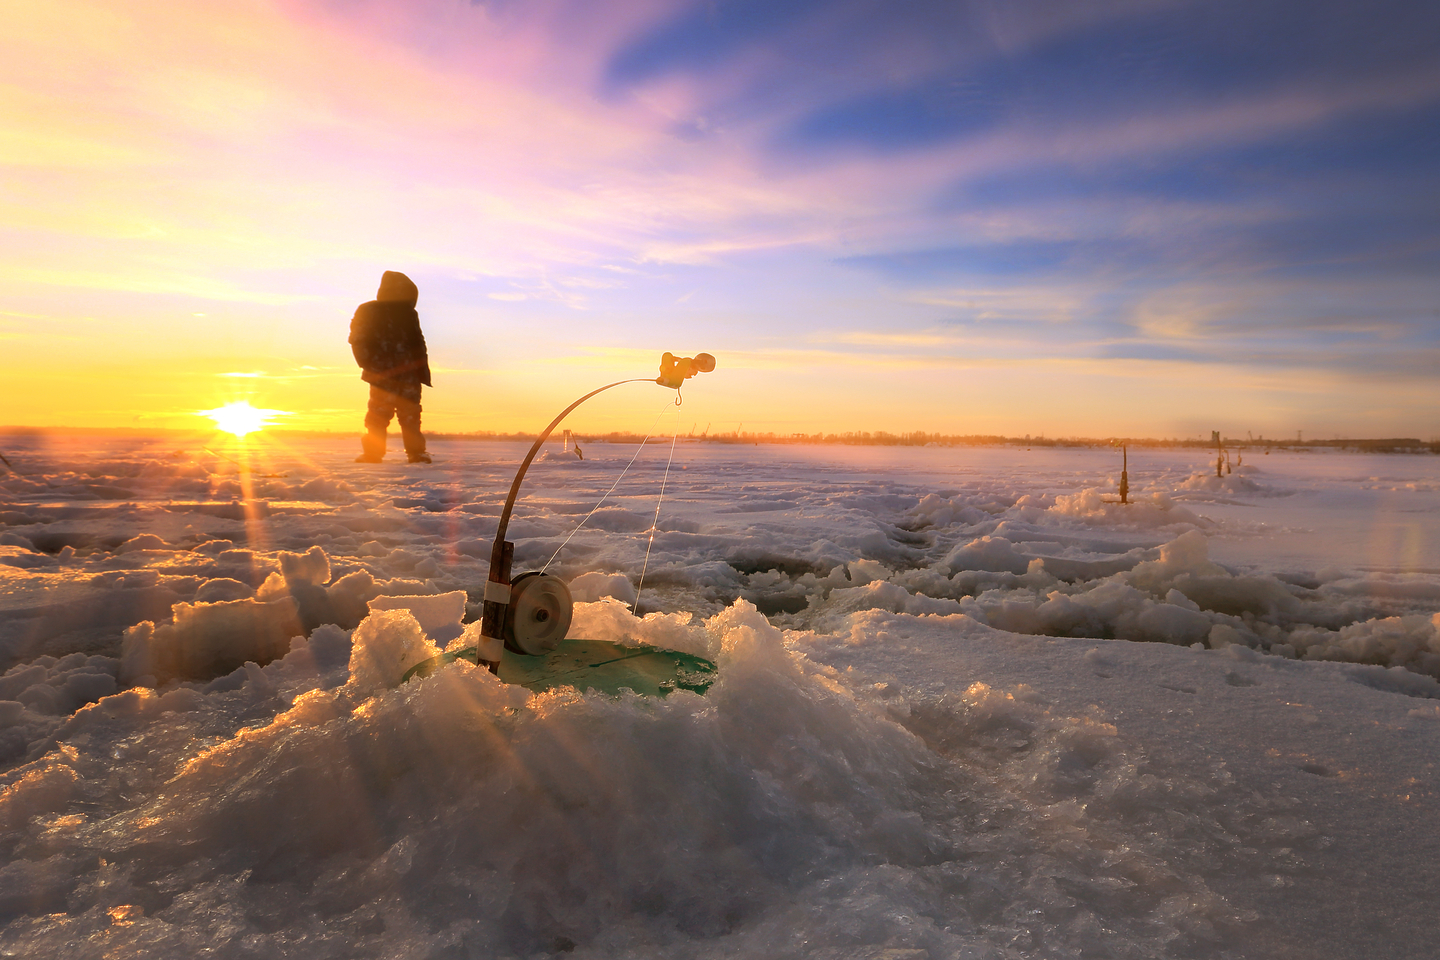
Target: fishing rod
(530,614)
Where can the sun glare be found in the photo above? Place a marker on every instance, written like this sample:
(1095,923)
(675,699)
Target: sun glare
(240,418)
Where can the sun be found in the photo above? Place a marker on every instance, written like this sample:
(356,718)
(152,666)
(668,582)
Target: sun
(240,418)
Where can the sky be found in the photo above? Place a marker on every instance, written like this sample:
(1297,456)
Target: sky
(1123,218)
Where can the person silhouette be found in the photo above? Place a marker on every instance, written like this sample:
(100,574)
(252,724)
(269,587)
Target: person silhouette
(388,345)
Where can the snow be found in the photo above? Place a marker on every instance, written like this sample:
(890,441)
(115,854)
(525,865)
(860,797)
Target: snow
(967,706)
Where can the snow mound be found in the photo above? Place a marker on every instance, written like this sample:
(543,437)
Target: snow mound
(1412,642)
(208,640)
(610,619)
(145,541)
(456,812)
(593,586)
(993,554)
(386,645)
(439,615)
(1157,511)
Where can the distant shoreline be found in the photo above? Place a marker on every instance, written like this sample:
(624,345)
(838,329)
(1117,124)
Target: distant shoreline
(881,438)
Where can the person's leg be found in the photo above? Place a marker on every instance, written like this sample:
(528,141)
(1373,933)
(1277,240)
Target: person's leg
(407,410)
(377,419)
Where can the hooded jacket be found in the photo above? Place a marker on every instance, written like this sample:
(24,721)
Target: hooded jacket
(385,334)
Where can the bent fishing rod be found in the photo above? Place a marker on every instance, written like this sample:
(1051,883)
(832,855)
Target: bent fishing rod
(531,613)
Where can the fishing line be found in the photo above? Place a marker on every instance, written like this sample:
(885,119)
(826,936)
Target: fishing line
(638,450)
(223,457)
(656,523)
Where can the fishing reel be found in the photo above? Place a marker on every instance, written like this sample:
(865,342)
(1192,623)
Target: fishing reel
(538,614)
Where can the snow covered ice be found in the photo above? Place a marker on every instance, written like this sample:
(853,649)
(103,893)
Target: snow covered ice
(966,706)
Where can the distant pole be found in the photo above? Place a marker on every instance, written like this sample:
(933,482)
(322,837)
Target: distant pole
(1124,474)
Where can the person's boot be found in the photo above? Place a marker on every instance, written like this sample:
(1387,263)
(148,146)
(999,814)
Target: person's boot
(372,447)
(420,457)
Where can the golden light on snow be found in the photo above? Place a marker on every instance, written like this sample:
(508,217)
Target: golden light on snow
(240,417)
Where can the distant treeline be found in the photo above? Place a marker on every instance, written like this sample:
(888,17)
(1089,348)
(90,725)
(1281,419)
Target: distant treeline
(919,438)
(878,438)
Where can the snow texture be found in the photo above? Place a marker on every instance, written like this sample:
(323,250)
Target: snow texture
(967,706)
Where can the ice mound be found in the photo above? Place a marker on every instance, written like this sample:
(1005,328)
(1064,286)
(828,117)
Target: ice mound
(222,629)
(993,554)
(329,489)
(619,520)
(610,619)
(1093,505)
(935,510)
(223,588)
(592,586)
(63,687)
(1412,642)
(455,814)
(15,553)
(384,647)
(439,615)
(1188,555)
(208,640)
(312,566)
(914,799)
(305,578)
(1389,586)
(145,541)
(1230,484)
(1178,597)
(886,595)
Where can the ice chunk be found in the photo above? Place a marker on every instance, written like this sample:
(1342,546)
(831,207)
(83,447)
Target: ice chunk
(439,615)
(589,587)
(1172,624)
(385,646)
(1188,553)
(609,619)
(993,554)
(209,640)
(312,566)
(223,588)
(1410,641)
(145,541)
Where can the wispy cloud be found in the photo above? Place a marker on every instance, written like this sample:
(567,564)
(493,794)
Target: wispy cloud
(894,185)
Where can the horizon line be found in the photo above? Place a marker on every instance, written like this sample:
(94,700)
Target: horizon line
(917,438)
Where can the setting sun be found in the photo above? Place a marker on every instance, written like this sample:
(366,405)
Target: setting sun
(240,417)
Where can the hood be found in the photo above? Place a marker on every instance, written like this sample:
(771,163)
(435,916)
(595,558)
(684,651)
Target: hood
(397,286)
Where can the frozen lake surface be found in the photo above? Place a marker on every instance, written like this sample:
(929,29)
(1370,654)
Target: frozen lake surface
(967,706)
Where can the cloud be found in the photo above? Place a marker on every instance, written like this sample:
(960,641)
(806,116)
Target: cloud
(1164,180)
